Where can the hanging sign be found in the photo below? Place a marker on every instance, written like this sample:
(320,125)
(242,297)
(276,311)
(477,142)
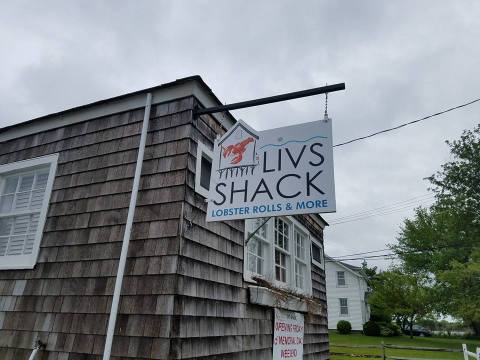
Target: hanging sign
(283,171)
(288,334)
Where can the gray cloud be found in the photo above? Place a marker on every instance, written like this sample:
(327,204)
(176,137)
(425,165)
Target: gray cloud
(400,61)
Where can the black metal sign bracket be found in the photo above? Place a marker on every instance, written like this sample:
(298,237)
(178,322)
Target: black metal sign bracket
(270,99)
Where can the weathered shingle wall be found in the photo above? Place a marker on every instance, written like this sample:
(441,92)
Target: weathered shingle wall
(183,294)
(65,300)
(213,315)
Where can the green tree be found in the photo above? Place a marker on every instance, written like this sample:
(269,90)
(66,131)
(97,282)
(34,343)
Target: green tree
(441,242)
(405,296)
(464,278)
(369,272)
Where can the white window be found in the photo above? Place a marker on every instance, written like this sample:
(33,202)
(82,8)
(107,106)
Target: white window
(258,248)
(341,279)
(317,254)
(279,252)
(343,306)
(203,169)
(25,188)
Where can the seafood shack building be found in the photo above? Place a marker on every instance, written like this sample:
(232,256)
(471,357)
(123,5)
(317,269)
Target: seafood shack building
(190,288)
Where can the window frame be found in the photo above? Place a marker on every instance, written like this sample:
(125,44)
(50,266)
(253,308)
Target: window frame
(251,226)
(269,255)
(202,151)
(28,261)
(344,279)
(340,307)
(317,243)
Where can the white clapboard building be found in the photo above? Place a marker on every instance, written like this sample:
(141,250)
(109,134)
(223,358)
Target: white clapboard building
(347,290)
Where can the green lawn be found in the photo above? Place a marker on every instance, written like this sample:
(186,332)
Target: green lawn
(359,339)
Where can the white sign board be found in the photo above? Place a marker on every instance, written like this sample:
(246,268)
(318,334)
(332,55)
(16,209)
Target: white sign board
(283,171)
(288,334)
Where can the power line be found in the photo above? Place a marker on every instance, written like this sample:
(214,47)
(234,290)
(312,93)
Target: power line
(409,207)
(407,123)
(387,211)
(361,253)
(383,213)
(384,207)
(418,251)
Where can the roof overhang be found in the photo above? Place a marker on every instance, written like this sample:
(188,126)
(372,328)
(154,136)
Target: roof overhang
(181,88)
(339,263)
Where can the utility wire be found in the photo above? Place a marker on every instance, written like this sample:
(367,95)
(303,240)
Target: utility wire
(384,207)
(407,123)
(368,257)
(419,251)
(386,211)
(361,253)
(392,211)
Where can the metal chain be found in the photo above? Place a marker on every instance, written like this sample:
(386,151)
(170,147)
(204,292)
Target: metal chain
(325,116)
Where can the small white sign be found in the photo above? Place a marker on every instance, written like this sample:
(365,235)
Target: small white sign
(288,334)
(283,171)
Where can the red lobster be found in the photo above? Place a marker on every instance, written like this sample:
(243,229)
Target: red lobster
(237,150)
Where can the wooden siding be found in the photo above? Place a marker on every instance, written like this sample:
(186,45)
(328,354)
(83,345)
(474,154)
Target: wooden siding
(183,294)
(65,300)
(215,318)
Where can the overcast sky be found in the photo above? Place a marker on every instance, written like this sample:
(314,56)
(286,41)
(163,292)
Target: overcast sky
(400,60)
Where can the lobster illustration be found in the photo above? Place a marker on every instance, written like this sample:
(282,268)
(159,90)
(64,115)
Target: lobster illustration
(237,150)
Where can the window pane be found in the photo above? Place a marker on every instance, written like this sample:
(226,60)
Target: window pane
(251,263)
(281,233)
(26,183)
(34,223)
(206,173)
(21,224)
(22,201)
(262,232)
(29,244)
(343,306)
(255,257)
(10,185)
(316,253)
(17,234)
(15,245)
(6,203)
(3,245)
(280,266)
(41,180)
(300,275)
(300,240)
(341,278)
(37,199)
(5,226)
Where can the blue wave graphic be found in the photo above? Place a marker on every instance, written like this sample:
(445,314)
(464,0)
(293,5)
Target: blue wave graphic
(294,141)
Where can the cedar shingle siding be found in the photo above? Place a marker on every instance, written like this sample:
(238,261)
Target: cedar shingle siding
(183,294)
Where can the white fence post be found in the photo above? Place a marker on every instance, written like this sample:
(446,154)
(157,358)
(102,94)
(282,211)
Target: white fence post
(467,354)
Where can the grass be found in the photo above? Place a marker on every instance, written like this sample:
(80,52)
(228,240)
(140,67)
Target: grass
(437,342)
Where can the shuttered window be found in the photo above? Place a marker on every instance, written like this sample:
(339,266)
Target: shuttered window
(25,188)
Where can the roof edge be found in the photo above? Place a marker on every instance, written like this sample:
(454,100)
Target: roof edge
(195,79)
(358,273)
